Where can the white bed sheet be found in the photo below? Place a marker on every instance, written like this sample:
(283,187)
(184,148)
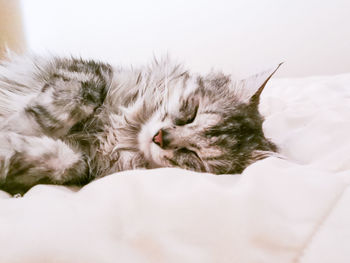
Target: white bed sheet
(295,209)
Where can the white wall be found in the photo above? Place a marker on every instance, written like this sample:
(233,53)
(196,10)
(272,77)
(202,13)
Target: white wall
(241,36)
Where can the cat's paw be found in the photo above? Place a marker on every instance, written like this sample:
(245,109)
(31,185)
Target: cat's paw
(76,98)
(64,102)
(43,161)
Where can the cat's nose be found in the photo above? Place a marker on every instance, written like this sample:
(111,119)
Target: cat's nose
(158,138)
(161,138)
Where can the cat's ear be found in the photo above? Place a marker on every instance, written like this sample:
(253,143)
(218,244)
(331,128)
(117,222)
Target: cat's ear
(251,88)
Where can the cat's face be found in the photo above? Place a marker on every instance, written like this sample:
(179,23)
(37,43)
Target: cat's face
(206,124)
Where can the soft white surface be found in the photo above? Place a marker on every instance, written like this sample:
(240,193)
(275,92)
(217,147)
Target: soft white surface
(292,210)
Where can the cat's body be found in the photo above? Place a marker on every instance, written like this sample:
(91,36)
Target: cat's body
(68,121)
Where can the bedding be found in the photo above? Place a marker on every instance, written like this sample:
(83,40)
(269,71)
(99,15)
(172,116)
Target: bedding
(290,209)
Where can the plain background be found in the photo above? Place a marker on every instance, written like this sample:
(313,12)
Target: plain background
(239,37)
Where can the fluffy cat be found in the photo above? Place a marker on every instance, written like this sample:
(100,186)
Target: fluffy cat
(69,121)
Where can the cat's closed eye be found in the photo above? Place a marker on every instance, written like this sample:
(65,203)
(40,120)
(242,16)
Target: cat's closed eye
(189,115)
(190,159)
(187,151)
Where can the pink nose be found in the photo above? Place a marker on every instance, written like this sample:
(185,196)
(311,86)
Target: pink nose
(158,138)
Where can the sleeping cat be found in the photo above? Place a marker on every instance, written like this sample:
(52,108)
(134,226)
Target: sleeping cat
(69,121)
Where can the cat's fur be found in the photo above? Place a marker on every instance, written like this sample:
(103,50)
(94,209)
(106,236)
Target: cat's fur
(68,121)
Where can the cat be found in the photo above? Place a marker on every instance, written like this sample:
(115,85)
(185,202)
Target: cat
(68,120)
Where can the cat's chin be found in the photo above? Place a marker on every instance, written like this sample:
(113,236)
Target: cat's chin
(158,157)
(153,165)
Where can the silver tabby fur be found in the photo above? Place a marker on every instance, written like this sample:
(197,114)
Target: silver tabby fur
(69,121)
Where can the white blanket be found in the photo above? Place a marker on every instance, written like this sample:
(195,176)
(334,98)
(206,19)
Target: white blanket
(295,209)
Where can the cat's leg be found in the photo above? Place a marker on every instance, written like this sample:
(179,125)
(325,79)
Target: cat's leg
(65,100)
(28,160)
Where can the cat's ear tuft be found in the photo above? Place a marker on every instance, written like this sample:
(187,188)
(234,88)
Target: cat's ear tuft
(252,87)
